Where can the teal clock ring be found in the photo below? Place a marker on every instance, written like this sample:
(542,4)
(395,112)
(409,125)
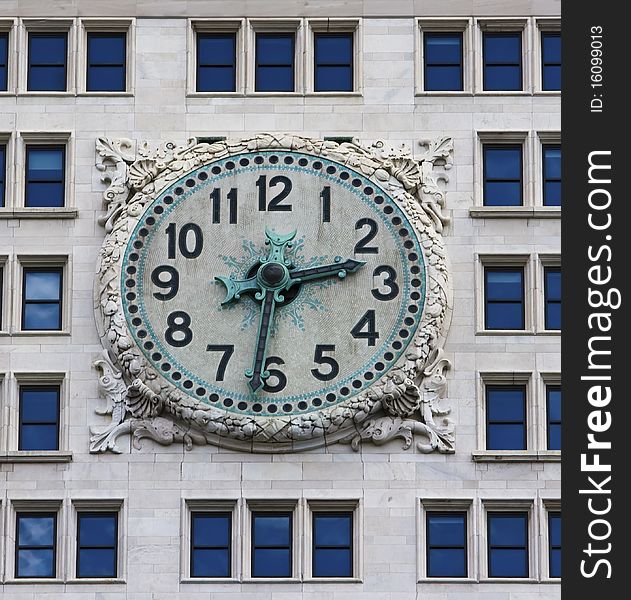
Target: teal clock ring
(271,279)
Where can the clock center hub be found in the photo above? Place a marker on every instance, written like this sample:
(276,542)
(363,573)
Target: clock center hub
(273,275)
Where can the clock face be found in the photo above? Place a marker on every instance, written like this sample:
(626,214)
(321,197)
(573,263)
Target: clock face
(273,283)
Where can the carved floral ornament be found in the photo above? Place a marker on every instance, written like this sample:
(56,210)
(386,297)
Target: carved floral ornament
(406,401)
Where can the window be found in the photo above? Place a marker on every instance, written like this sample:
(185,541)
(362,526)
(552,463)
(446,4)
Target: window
(332,544)
(106,62)
(446,544)
(502,61)
(502,166)
(508,544)
(35,545)
(271,544)
(210,544)
(39,418)
(97,544)
(551,175)
(443,61)
(551,61)
(552,291)
(45,179)
(553,412)
(4,61)
(275,62)
(554,540)
(42,297)
(216,62)
(506,418)
(3,174)
(504,298)
(47,62)
(333,62)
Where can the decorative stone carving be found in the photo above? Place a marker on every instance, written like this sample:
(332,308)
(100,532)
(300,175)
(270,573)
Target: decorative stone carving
(406,401)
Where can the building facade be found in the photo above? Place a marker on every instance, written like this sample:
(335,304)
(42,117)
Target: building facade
(459,103)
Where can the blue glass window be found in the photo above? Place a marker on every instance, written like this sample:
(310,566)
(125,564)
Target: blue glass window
(446,544)
(106,62)
(503,170)
(271,544)
(333,62)
(211,535)
(508,544)
(506,418)
(41,303)
(4,61)
(551,61)
(39,418)
(333,544)
(553,411)
(502,62)
(554,536)
(275,62)
(552,175)
(443,61)
(216,62)
(3,174)
(45,176)
(47,62)
(553,297)
(97,543)
(504,298)
(36,545)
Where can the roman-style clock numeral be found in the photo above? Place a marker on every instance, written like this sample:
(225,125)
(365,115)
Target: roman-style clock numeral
(228,351)
(365,328)
(190,246)
(172,283)
(325,194)
(215,198)
(274,204)
(390,281)
(320,359)
(281,378)
(362,246)
(178,322)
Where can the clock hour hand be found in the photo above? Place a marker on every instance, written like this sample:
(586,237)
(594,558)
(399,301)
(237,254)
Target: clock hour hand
(236,287)
(256,374)
(339,268)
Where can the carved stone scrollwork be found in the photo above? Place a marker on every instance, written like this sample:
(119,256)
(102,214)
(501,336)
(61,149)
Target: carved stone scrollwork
(406,402)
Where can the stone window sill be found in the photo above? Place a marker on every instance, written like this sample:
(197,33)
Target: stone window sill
(444,580)
(36,456)
(515,212)
(516,456)
(95,581)
(38,213)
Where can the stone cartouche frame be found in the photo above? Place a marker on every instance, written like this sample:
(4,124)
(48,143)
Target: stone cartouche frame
(406,401)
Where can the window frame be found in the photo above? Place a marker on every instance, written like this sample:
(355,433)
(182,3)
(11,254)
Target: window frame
(546,300)
(89,513)
(270,34)
(24,301)
(548,387)
(207,33)
(545,179)
(90,34)
(553,512)
(492,386)
(316,34)
(6,30)
(315,513)
(490,513)
(4,148)
(42,34)
(55,546)
(291,548)
(428,546)
(543,32)
(230,548)
(505,33)
(64,150)
(507,269)
(503,146)
(32,387)
(461,35)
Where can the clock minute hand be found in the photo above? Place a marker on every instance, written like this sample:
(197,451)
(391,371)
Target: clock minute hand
(256,374)
(339,268)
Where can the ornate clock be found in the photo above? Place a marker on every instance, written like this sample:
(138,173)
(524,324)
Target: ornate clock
(273,294)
